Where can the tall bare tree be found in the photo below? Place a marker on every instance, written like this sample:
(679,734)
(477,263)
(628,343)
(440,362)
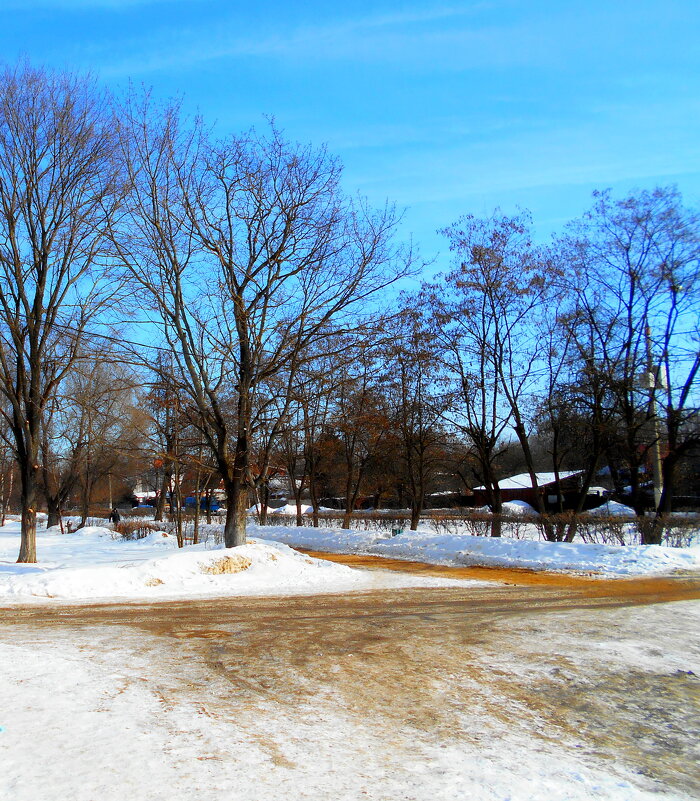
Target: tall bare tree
(248,251)
(500,288)
(58,189)
(362,424)
(417,405)
(61,461)
(636,264)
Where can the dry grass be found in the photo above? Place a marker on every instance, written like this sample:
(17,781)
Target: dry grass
(229,564)
(154,582)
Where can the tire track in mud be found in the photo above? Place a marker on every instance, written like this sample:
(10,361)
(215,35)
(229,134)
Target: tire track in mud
(424,666)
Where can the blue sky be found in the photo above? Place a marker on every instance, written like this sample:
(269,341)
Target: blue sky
(446,108)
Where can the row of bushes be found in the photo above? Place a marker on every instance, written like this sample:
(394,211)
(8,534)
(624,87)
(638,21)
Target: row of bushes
(606,530)
(676,532)
(140,528)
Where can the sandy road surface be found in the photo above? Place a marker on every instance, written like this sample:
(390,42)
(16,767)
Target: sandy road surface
(595,671)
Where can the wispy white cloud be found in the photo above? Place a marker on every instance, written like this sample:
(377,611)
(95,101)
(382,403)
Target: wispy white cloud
(487,35)
(447,36)
(595,150)
(456,47)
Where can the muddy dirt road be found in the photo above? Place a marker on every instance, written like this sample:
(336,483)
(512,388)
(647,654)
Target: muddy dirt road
(590,670)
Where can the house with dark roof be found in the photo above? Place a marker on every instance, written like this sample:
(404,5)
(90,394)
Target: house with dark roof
(520,488)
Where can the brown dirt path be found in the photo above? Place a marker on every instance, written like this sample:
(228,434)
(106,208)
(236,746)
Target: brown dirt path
(526,655)
(512,591)
(667,588)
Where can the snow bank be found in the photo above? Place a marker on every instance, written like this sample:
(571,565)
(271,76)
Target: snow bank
(463,549)
(192,572)
(516,508)
(558,556)
(612,509)
(92,563)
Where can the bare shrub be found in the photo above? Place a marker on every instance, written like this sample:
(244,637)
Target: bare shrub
(284,520)
(135,529)
(610,530)
(147,511)
(445,524)
(682,533)
(208,532)
(517,528)
(72,522)
(478,524)
(385,524)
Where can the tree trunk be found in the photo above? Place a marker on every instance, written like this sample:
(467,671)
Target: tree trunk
(6,500)
(197,506)
(300,521)
(53,507)
(263,504)
(86,490)
(177,500)
(27,549)
(415,515)
(85,502)
(348,499)
(3,499)
(497,510)
(668,479)
(210,495)
(236,514)
(162,497)
(521,433)
(581,500)
(653,534)
(313,491)
(297,492)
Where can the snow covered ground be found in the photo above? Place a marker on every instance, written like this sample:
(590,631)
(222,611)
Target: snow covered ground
(92,564)
(425,545)
(529,706)
(536,708)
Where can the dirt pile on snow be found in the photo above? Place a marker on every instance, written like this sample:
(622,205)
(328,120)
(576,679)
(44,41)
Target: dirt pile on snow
(229,564)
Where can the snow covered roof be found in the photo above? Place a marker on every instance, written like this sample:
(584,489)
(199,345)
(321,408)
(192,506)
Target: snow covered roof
(523,480)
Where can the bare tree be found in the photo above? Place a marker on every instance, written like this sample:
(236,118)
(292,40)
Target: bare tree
(362,423)
(576,412)
(315,392)
(484,327)
(637,269)
(247,250)
(7,466)
(417,405)
(61,461)
(500,291)
(58,189)
(99,413)
(167,407)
